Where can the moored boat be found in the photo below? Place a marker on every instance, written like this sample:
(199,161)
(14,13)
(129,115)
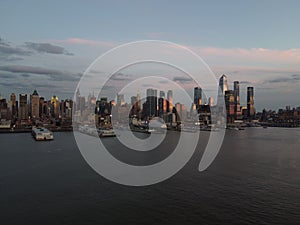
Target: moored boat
(42,134)
(106,133)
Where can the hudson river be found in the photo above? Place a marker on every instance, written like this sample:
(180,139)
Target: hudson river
(255,179)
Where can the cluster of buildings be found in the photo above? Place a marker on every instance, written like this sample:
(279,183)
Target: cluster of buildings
(28,110)
(288,117)
(234,110)
(160,104)
(25,111)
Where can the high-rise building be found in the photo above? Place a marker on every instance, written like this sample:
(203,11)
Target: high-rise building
(23,107)
(197,97)
(250,103)
(120,100)
(151,102)
(55,106)
(181,112)
(77,100)
(237,103)
(34,105)
(134,108)
(14,105)
(43,107)
(170,100)
(229,102)
(223,84)
(211,101)
(162,94)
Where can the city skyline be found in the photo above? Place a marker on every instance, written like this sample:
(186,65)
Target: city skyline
(233,41)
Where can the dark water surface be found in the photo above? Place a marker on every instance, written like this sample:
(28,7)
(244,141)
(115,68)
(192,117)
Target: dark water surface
(255,179)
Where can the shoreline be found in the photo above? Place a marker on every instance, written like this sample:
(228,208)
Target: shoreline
(26,130)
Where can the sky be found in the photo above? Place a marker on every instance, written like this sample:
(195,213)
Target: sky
(48,45)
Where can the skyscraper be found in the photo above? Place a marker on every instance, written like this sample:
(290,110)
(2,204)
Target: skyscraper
(170,100)
(223,84)
(197,97)
(151,102)
(23,108)
(237,104)
(54,106)
(211,101)
(14,106)
(229,102)
(250,102)
(120,100)
(34,105)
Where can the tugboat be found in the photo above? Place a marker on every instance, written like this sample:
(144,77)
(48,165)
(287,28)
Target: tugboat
(42,134)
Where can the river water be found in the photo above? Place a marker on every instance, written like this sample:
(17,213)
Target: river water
(255,179)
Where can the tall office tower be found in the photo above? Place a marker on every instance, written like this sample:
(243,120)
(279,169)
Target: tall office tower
(54,106)
(14,106)
(162,94)
(250,103)
(139,105)
(134,110)
(237,102)
(68,108)
(151,100)
(133,100)
(77,99)
(34,105)
(120,100)
(223,84)
(229,102)
(43,107)
(197,97)
(211,101)
(170,100)
(81,103)
(162,106)
(23,107)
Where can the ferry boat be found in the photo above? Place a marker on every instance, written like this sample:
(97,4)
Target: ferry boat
(106,133)
(42,134)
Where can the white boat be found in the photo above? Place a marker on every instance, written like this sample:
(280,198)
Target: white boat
(42,134)
(107,133)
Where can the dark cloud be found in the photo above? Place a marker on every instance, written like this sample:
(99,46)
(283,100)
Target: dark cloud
(7,58)
(291,79)
(47,48)
(6,50)
(182,79)
(25,75)
(245,82)
(55,75)
(163,81)
(120,77)
(3,42)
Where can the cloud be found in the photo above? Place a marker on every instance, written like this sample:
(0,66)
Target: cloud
(257,55)
(47,48)
(81,41)
(120,77)
(245,82)
(163,81)
(182,79)
(6,50)
(55,75)
(291,79)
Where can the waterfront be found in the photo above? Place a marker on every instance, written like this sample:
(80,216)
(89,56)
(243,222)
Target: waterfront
(255,179)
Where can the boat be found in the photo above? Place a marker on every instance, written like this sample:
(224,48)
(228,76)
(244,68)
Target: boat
(42,134)
(106,133)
